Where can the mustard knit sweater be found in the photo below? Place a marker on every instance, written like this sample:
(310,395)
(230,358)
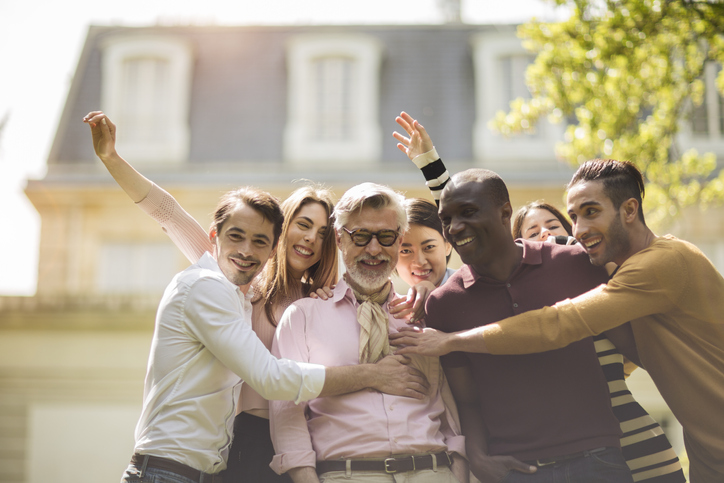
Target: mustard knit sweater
(674,298)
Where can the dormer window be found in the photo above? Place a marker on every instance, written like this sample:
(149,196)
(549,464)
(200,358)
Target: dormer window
(146,89)
(332,106)
(500,62)
(333,99)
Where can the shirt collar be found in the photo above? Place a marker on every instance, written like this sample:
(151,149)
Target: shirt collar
(448,273)
(343,290)
(532,255)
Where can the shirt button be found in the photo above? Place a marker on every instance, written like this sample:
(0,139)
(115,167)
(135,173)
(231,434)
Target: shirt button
(515,305)
(507,285)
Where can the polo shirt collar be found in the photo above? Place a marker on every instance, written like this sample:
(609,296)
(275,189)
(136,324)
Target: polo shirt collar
(532,255)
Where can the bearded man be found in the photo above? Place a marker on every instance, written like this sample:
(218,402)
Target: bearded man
(367,435)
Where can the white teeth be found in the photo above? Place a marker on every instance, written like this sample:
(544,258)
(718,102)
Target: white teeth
(591,243)
(371,262)
(424,273)
(303,250)
(464,241)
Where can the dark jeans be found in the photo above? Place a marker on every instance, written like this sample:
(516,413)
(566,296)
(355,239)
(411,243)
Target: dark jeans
(603,467)
(251,452)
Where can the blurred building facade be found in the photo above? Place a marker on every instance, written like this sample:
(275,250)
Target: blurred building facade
(201,110)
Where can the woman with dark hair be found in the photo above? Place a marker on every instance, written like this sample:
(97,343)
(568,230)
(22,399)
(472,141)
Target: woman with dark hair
(541,221)
(424,253)
(304,261)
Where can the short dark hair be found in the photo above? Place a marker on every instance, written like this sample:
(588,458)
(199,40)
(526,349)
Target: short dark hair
(621,180)
(495,188)
(424,213)
(539,205)
(261,201)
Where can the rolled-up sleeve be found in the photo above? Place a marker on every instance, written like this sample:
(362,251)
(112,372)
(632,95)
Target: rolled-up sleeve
(288,422)
(215,318)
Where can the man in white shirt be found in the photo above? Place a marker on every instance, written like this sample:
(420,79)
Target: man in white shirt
(203,343)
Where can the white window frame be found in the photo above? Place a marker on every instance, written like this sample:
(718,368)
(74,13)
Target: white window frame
(175,147)
(518,153)
(365,143)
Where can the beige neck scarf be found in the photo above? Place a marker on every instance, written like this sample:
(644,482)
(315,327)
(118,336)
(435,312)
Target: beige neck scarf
(374,342)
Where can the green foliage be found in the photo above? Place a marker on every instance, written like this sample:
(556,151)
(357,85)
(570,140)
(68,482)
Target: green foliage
(624,74)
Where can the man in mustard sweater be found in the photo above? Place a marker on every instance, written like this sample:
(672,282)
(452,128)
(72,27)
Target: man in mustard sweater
(669,291)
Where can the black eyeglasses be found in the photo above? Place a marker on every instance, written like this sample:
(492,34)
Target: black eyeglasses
(362,237)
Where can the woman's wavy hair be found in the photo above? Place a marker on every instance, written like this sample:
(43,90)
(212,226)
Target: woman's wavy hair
(276,281)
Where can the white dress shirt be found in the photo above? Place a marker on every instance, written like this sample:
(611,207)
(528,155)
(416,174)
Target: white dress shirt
(202,345)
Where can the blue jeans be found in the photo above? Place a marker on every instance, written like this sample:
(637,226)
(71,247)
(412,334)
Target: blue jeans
(152,475)
(607,466)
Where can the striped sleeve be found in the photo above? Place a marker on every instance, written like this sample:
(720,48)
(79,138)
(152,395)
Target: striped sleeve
(435,173)
(644,445)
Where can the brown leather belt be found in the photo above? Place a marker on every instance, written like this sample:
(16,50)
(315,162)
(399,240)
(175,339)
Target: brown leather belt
(181,469)
(389,465)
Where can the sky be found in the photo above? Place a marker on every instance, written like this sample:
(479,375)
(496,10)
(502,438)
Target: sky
(40,41)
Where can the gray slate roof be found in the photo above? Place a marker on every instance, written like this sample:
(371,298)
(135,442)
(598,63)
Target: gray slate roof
(239,89)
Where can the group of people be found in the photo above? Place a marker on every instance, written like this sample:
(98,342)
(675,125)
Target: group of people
(265,366)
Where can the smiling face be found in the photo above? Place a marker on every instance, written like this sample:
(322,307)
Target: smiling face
(369,267)
(597,224)
(476,227)
(304,238)
(423,256)
(539,224)
(243,245)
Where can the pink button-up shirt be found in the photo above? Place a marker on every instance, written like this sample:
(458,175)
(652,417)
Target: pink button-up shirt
(364,424)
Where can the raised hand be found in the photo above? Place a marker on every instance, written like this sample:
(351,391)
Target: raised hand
(418,142)
(103,132)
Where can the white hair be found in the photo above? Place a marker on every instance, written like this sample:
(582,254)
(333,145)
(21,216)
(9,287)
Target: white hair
(370,195)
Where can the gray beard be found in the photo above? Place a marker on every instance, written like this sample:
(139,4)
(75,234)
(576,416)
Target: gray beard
(366,280)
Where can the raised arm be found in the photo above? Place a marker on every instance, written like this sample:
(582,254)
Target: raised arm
(185,232)
(419,148)
(131,181)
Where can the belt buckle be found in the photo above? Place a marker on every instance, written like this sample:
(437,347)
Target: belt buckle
(389,462)
(540,463)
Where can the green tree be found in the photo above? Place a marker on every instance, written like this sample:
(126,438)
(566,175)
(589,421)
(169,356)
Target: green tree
(623,74)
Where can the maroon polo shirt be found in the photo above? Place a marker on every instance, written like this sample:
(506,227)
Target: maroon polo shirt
(538,405)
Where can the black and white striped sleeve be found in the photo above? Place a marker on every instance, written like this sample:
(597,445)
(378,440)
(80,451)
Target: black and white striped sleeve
(435,173)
